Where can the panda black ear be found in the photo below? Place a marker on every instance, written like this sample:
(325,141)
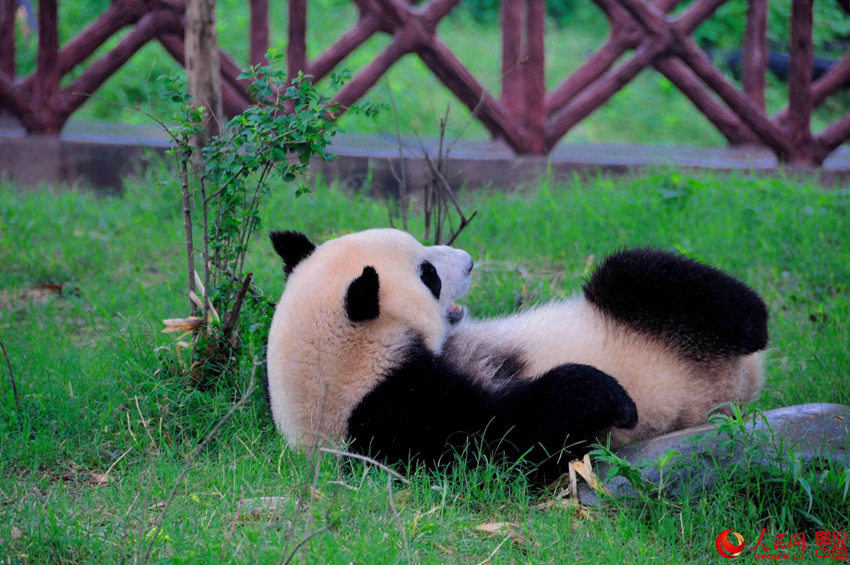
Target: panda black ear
(292,246)
(361,300)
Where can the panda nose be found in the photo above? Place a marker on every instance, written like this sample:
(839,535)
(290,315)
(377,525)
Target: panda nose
(471,265)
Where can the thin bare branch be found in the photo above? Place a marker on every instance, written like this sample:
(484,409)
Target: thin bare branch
(194,456)
(135,108)
(397,517)
(301,543)
(403,194)
(463,223)
(183,165)
(447,190)
(206,226)
(369,460)
(314,485)
(232,317)
(233,523)
(14,386)
(438,177)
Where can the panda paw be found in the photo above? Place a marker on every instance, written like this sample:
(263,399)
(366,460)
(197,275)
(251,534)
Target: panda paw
(570,404)
(626,416)
(592,399)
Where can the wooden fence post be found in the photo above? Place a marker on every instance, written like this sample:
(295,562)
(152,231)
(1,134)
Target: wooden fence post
(535,76)
(47,69)
(7,37)
(512,56)
(799,83)
(755,51)
(259,33)
(203,69)
(296,49)
(523,73)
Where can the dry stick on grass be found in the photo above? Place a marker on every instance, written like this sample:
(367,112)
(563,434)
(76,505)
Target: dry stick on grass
(114,463)
(14,386)
(194,456)
(495,551)
(144,423)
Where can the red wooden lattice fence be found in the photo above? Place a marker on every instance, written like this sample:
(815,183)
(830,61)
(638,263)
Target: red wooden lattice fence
(530,119)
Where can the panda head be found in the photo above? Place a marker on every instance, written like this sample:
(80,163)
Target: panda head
(350,309)
(379,274)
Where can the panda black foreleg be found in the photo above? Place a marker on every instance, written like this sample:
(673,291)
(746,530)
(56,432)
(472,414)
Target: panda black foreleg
(421,411)
(425,410)
(565,408)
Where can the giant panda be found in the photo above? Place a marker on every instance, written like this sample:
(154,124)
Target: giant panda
(367,346)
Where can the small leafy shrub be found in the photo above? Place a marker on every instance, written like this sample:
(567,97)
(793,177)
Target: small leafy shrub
(289,124)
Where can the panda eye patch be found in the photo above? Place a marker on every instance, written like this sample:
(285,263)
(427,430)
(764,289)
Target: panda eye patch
(430,278)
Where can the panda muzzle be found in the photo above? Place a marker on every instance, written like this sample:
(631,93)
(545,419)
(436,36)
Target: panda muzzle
(455,313)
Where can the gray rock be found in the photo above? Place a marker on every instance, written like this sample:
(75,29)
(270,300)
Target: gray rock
(805,434)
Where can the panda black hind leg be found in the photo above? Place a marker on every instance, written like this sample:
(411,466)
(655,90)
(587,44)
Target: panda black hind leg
(701,312)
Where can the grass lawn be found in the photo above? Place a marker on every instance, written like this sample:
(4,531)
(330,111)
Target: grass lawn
(106,426)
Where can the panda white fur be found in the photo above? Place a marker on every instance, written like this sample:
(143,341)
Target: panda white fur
(367,346)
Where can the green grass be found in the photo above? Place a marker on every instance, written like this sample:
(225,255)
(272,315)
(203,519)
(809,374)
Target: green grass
(649,110)
(92,369)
